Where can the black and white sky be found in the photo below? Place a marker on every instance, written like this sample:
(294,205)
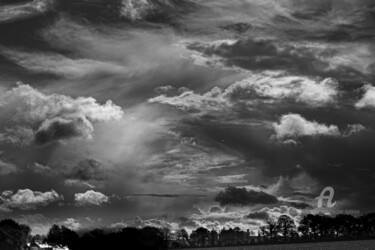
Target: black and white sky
(141,112)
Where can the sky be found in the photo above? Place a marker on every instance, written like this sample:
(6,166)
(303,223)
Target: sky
(158,113)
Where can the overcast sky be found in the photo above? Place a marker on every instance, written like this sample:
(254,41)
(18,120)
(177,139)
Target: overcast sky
(140,112)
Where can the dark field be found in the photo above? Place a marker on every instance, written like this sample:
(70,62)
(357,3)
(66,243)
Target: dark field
(352,245)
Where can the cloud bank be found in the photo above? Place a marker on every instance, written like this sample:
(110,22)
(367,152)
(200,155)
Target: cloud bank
(26,199)
(240,196)
(51,117)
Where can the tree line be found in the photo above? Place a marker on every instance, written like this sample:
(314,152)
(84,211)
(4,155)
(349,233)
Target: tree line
(311,228)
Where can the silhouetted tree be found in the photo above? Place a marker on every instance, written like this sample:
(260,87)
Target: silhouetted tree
(368,224)
(310,222)
(93,240)
(272,228)
(214,237)
(203,235)
(227,237)
(182,237)
(286,226)
(60,235)
(347,224)
(13,234)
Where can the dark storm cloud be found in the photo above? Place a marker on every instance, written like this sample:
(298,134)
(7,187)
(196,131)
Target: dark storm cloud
(7,167)
(100,11)
(304,58)
(258,215)
(216,210)
(41,169)
(298,205)
(315,155)
(128,10)
(345,19)
(167,195)
(240,196)
(61,129)
(88,170)
(307,60)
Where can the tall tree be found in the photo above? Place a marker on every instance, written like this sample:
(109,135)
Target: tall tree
(286,226)
(272,227)
(203,235)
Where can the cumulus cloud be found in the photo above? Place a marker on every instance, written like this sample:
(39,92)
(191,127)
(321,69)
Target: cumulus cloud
(295,88)
(293,126)
(240,196)
(71,223)
(265,87)
(26,199)
(231,217)
(17,135)
(90,198)
(140,223)
(52,117)
(277,211)
(193,102)
(368,99)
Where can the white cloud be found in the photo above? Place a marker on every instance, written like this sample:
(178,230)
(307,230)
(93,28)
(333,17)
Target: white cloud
(275,212)
(281,87)
(135,10)
(193,102)
(266,87)
(90,198)
(26,199)
(21,11)
(17,135)
(292,126)
(51,117)
(368,99)
(60,65)
(71,223)
(140,223)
